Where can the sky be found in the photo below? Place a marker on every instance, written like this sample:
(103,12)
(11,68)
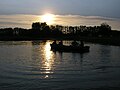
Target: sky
(25,21)
(105,8)
(22,13)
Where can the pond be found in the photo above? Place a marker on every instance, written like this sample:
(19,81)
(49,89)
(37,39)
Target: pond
(31,65)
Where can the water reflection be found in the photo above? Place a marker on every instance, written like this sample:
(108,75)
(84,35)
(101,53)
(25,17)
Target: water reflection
(36,42)
(48,56)
(43,58)
(34,66)
(105,50)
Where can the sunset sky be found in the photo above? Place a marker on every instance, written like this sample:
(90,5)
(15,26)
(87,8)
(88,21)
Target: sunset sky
(107,9)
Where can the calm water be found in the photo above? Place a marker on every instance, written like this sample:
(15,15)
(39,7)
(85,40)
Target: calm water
(30,65)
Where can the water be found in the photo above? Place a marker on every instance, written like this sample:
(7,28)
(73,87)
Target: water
(31,65)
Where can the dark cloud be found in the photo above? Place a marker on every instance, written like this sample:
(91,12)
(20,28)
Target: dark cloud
(106,8)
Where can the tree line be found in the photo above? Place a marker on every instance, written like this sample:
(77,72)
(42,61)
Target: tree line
(41,29)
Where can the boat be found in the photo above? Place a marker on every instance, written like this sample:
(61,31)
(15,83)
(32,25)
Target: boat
(65,48)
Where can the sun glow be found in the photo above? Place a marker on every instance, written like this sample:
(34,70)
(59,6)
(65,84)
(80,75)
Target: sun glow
(48,18)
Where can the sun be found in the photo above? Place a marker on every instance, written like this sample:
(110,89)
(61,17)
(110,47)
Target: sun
(48,18)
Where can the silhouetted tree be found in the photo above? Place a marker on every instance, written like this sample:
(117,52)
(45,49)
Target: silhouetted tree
(43,25)
(36,26)
(105,29)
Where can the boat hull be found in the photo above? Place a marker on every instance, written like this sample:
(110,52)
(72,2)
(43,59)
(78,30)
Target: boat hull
(64,48)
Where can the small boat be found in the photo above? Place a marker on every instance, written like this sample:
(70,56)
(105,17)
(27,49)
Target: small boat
(64,48)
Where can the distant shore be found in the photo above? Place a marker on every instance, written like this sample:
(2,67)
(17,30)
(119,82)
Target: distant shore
(104,41)
(102,34)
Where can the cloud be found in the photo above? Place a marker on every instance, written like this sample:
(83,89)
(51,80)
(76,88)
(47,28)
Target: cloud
(87,20)
(25,21)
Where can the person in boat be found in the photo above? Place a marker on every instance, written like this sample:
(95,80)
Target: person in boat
(81,43)
(60,43)
(54,43)
(75,44)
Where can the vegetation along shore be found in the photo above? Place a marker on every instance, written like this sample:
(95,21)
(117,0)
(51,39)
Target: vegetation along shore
(96,34)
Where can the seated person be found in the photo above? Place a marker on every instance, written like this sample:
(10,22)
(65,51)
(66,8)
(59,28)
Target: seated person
(54,43)
(74,43)
(61,43)
(82,44)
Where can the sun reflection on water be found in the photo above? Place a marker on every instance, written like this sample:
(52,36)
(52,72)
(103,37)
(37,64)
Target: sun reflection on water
(48,59)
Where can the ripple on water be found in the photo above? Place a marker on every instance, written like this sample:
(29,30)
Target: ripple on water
(31,67)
